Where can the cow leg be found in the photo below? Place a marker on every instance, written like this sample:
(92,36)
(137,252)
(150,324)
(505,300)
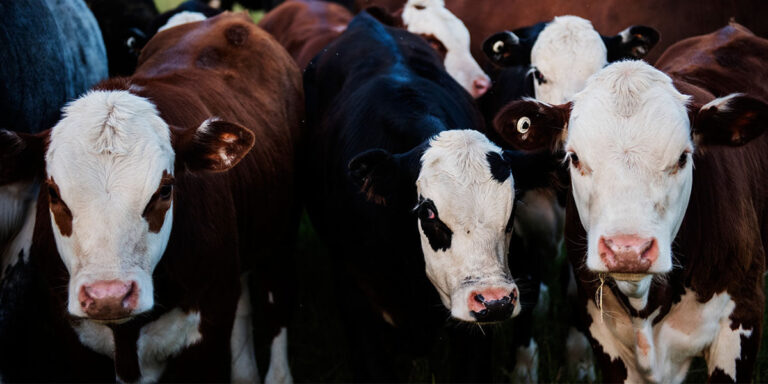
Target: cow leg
(244,369)
(731,358)
(526,350)
(279,371)
(581,365)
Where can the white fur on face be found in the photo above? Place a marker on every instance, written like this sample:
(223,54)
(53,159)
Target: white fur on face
(629,127)
(567,52)
(456,176)
(430,17)
(107,156)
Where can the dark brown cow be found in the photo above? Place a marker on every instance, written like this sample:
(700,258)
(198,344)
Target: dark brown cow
(637,207)
(306,27)
(154,206)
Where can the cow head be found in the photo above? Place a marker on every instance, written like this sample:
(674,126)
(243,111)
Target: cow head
(629,140)
(449,37)
(563,53)
(109,181)
(465,194)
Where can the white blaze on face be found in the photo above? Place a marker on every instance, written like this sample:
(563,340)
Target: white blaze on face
(629,141)
(431,18)
(465,244)
(567,52)
(107,157)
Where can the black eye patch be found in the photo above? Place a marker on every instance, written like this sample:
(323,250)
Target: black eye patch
(438,234)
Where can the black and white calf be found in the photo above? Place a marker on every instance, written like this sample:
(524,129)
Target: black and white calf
(403,188)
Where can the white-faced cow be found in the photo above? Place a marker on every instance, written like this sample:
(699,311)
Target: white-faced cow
(153,207)
(401,187)
(664,218)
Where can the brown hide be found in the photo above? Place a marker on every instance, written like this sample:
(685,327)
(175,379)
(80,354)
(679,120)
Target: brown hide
(305,27)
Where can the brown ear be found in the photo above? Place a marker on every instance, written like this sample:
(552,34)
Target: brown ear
(732,120)
(22,155)
(531,125)
(214,146)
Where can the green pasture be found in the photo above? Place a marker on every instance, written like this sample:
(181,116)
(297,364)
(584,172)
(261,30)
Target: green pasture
(318,354)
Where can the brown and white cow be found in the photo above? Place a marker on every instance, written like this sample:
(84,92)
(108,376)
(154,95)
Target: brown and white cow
(305,27)
(669,258)
(161,190)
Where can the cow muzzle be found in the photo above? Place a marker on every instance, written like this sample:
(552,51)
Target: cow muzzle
(492,304)
(110,300)
(628,257)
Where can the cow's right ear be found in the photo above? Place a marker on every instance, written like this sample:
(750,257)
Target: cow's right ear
(732,120)
(532,126)
(380,175)
(507,49)
(215,145)
(22,155)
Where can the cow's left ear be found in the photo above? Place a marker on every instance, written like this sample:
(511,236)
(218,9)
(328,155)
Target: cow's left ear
(381,175)
(732,120)
(529,170)
(632,43)
(214,146)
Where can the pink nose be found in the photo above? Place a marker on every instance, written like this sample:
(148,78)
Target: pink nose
(480,86)
(628,253)
(109,300)
(492,304)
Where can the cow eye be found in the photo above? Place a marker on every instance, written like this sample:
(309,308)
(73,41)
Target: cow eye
(523,125)
(165,191)
(498,46)
(427,212)
(682,160)
(574,160)
(539,77)
(419,7)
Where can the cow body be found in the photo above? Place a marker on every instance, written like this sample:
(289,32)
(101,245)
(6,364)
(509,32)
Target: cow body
(646,319)
(223,224)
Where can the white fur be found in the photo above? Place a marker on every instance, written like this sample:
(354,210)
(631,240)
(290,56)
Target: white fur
(527,364)
(107,155)
(567,52)
(438,21)
(279,371)
(164,338)
(721,103)
(456,176)
(628,127)
(581,364)
(689,329)
(244,369)
(180,18)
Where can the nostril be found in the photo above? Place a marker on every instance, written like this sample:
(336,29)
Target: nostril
(479,298)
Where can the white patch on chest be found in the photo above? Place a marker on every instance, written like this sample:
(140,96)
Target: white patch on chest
(663,352)
(18,246)
(279,371)
(158,341)
(244,369)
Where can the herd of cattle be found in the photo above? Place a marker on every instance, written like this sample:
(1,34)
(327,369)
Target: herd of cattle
(443,151)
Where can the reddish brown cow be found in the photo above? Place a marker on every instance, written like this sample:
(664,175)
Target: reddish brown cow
(155,206)
(674,181)
(306,27)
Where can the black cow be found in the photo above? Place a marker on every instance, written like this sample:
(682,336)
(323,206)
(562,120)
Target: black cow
(403,185)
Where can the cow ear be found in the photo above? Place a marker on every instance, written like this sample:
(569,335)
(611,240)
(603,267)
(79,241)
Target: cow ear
(507,49)
(732,120)
(632,43)
(22,155)
(214,146)
(380,175)
(532,170)
(531,125)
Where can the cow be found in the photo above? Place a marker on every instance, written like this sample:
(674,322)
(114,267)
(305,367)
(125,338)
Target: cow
(161,191)
(403,184)
(664,222)
(125,28)
(305,27)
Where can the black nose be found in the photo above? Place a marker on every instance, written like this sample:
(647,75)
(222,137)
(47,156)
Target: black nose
(495,310)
